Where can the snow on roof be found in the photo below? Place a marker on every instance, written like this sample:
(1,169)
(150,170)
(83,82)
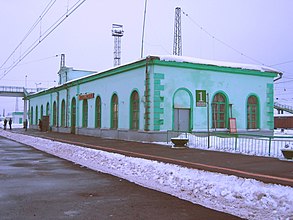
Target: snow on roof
(184,59)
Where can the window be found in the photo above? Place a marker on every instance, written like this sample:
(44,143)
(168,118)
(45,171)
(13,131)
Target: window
(98,112)
(134,111)
(37,116)
(54,113)
(84,113)
(47,109)
(32,116)
(63,113)
(73,115)
(41,112)
(114,112)
(252,113)
(219,111)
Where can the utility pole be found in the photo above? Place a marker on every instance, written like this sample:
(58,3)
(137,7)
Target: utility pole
(117,33)
(177,44)
(143,27)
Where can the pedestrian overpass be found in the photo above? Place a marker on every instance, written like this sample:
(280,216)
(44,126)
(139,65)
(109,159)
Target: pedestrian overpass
(14,91)
(285,108)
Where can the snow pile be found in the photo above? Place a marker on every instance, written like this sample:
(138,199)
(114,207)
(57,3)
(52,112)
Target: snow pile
(242,197)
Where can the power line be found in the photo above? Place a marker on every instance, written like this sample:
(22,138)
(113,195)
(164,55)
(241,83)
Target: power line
(222,42)
(34,61)
(282,63)
(46,34)
(45,11)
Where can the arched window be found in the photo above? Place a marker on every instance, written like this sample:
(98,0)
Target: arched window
(98,112)
(48,109)
(84,113)
(37,116)
(73,115)
(32,115)
(219,111)
(41,112)
(134,111)
(252,113)
(63,113)
(114,112)
(54,113)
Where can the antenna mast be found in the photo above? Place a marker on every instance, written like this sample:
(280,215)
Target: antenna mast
(117,33)
(177,45)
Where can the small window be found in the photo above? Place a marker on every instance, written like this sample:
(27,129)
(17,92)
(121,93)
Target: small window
(63,113)
(134,111)
(114,112)
(41,112)
(48,109)
(252,113)
(54,113)
(85,113)
(98,112)
(37,116)
(219,111)
(32,116)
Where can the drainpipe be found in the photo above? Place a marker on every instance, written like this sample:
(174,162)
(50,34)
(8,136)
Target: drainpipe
(279,77)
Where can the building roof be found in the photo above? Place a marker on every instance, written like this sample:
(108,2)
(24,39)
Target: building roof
(172,59)
(184,59)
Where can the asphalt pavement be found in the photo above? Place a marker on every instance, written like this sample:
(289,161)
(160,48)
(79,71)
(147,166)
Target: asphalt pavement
(36,185)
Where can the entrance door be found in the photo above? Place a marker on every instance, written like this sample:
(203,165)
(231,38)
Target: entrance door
(73,115)
(182,109)
(181,119)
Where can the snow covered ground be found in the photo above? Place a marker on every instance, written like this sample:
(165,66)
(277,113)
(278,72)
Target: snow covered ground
(13,125)
(245,144)
(246,198)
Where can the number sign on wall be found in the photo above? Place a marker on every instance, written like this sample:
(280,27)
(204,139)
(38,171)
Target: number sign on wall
(201,98)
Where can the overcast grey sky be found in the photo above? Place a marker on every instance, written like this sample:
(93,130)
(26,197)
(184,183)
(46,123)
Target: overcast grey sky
(259,30)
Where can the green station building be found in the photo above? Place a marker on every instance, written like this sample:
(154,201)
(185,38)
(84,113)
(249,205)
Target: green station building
(145,99)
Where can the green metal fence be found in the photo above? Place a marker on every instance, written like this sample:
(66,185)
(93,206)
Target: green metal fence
(259,145)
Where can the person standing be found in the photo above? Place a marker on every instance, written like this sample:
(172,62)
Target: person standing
(5,123)
(25,125)
(10,123)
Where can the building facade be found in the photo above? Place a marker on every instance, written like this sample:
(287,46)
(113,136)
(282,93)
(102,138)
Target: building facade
(144,99)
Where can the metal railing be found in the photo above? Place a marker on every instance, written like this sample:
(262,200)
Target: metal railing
(258,145)
(11,89)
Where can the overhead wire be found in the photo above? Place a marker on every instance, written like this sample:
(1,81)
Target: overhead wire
(45,35)
(34,61)
(45,11)
(238,51)
(221,41)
